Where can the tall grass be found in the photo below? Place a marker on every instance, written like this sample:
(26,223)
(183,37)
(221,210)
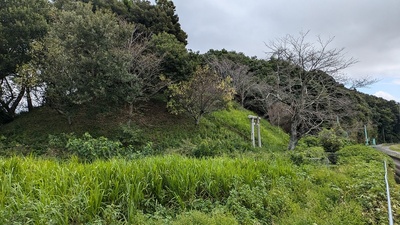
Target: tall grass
(78,193)
(258,188)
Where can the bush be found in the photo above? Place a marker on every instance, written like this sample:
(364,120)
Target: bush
(259,203)
(130,135)
(357,153)
(310,141)
(57,145)
(329,141)
(88,148)
(10,147)
(196,217)
(308,155)
(332,141)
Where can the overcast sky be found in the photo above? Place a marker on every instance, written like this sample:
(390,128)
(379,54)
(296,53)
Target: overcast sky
(369,30)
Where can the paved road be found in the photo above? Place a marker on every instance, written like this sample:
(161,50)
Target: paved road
(386,149)
(396,159)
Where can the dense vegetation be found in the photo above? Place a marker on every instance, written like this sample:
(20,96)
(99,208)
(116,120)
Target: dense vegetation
(237,184)
(165,181)
(88,137)
(266,189)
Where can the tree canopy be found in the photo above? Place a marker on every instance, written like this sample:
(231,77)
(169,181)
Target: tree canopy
(22,22)
(86,58)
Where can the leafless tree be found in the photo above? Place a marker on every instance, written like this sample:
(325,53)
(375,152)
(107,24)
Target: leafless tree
(144,70)
(243,81)
(360,82)
(306,82)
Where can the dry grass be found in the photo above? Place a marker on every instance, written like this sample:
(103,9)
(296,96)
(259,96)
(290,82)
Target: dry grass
(395,147)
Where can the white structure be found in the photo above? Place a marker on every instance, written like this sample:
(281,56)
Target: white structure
(255,120)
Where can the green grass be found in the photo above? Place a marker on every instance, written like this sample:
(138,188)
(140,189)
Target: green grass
(30,131)
(81,192)
(152,129)
(395,148)
(261,188)
(179,173)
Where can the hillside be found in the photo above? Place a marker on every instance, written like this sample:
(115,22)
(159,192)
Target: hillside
(152,124)
(169,171)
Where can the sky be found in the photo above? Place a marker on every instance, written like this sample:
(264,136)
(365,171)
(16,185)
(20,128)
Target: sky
(369,30)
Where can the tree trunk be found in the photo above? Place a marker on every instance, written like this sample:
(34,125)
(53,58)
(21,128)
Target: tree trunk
(69,120)
(197,120)
(293,135)
(292,143)
(242,99)
(29,99)
(15,104)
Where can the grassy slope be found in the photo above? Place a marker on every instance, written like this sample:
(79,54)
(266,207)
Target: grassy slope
(305,193)
(227,129)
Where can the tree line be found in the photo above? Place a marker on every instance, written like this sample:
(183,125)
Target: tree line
(104,55)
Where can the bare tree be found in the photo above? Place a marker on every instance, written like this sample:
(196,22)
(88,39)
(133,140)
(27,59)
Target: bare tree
(307,75)
(361,82)
(243,81)
(144,71)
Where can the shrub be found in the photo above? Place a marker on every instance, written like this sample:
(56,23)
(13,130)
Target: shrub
(357,153)
(329,141)
(88,148)
(130,134)
(11,147)
(333,140)
(263,202)
(310,141)
(308,155)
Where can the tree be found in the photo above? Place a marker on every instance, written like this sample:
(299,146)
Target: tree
(243,80)
(86,58)
(306,82)
(175,57)
(204,93)
(169,21)
(148,18)
(143,80)
(22,22)
(246,72)
(95,59)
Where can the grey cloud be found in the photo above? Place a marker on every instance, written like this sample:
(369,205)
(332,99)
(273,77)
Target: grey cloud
(367,29)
